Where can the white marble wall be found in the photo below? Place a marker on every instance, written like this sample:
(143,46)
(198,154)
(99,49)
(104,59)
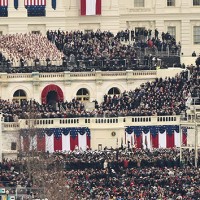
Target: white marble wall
(116,15)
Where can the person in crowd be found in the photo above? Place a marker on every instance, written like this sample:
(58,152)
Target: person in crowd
(194,54)
(122,173)
(28,47)
(157,98)
(100,46)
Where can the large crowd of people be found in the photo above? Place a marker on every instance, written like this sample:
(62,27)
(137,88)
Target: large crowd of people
(157,98)
(78,51)
(27,50)
(114,174)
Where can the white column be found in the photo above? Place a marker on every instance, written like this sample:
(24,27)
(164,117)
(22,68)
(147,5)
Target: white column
(48,5)
(59,4)
(22,12)
(11,9)
(186,35)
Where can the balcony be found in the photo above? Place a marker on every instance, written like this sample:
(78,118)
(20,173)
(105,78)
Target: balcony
(97,123)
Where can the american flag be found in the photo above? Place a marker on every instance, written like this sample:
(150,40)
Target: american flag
(35,2)
(3,3)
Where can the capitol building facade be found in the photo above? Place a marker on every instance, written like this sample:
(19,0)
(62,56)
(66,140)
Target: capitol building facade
(178,17)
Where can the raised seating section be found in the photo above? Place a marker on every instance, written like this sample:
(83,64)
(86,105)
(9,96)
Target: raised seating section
(162,97)
(78,51)
(28,51)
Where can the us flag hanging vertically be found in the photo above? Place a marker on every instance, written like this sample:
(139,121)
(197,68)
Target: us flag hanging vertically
(90,7)
(35,2)
(3,3)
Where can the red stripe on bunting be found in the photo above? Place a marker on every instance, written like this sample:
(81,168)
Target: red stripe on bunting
(3,3)
(41,144)
(88,141)
(184,139)
(26,143)
(34,2)
(170,140)
(98,7)
(58,143)
(83,7)
(155,140)
(139,141)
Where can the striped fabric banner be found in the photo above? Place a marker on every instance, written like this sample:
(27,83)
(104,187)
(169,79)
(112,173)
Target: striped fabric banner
(55,142)
(35,2)
(3,3)
(90,7)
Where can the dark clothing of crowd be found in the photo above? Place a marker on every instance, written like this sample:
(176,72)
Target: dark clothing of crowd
(123,174)
(157,98)
(102,50)
(114,174)
(94,50)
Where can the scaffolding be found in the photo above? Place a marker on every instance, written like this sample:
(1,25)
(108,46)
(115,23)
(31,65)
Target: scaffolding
(191,122)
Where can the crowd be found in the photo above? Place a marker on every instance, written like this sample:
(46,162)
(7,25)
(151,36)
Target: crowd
(100,49)
(78,51)
(21,50)
(144,38)
(113,174)
(157,98)
(105,51)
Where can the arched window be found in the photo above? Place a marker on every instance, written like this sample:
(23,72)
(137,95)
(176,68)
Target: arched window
(114,91)
(83,95)
(19,95)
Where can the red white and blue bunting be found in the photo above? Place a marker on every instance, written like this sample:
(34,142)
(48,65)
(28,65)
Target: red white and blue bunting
(155,136)
(55,139)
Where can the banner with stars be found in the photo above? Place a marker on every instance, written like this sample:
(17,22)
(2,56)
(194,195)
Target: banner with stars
(55,139)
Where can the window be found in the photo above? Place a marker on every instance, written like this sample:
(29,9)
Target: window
(114,91)
(172,31)
(196,34)
(13,146)
(196,2)
(19,95)
(88,31)
(83,95)
(36,32)
(138,3)
(170,2)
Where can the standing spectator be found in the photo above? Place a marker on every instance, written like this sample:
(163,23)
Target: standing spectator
(156,34)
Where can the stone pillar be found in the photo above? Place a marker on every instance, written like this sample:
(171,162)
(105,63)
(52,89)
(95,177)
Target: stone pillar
(60,9)
(186,37)
(36,93)
(48,5)
(99,82)
(22,12)
(11,9)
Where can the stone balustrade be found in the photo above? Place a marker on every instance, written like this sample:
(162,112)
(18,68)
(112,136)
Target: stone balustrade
(79,76)
(91,122)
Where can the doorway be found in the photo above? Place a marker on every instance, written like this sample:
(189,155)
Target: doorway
(52,98)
